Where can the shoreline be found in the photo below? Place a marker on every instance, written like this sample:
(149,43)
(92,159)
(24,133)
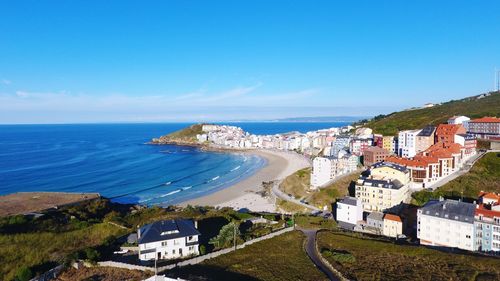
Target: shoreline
(243,194)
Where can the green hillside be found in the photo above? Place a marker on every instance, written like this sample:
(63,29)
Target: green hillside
(473,107)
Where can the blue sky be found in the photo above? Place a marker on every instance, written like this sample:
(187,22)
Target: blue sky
(116,61)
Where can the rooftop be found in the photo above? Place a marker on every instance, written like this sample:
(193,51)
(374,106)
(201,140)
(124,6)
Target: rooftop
(348,200)
(392,217)
(166,230)
(390,165)
(449,129)
(427,131)
(376,216)
(450,209)
(486,120)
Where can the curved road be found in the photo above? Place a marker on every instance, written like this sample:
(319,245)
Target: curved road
(313,254)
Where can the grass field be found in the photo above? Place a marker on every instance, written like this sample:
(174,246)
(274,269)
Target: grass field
(362,259)
(412,119)
(37,249)
(275,259)
(484,175)
(298,184)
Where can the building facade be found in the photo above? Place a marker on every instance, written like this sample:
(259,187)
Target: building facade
(487,222)
(486,127)
(425,139)
(374,154)
(446,223)
(393,226)
(407,143)
(387,185)
(168,239)
(349,212)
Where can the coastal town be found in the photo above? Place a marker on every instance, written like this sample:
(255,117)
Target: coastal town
(396,166)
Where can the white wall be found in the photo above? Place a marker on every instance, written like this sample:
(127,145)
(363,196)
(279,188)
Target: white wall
(170,249)
(436,231)
(349,213)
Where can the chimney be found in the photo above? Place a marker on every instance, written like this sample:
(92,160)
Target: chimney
(196,224)
(138,232)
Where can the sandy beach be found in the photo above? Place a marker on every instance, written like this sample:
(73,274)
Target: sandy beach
(243,194)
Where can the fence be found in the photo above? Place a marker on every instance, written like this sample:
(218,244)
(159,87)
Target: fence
(194,260)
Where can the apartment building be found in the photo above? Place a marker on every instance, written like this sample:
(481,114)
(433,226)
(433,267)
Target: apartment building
(358,145)
(422,169)
(447,223)
(445,133)
(425,139)
(374,154)
(487,222)
(486,127)
(407,143)
(326,169)
(385,186)
(388,144)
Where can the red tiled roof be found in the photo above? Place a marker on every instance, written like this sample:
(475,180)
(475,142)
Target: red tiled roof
(481,210)
(392,217)
(490,195)
(417,161)
(449,129)
(486,120)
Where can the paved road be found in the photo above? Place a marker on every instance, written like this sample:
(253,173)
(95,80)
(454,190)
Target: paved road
(280,194)
(310,248)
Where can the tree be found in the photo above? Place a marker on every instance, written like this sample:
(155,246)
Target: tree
(203,250)
(24,273)
(226,235)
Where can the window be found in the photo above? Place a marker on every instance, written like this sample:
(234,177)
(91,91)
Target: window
(164,243)
(173,252)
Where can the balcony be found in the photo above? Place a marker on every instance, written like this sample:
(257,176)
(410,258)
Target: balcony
(192,243)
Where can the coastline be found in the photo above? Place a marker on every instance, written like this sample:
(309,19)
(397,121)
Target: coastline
(243,194)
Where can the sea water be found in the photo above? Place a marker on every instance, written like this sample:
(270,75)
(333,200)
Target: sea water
(116,161)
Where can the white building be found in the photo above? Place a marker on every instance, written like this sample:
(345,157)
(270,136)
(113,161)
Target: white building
(168,239)
(458,120)
(446,223)
(349,212)
(326,169)
(407,144)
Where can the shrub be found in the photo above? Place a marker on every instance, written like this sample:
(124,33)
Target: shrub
(92,254)
(203,250)
(24,274)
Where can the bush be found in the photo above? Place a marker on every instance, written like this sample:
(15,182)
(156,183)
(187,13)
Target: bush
(92,254)
(203,250)
(24,274)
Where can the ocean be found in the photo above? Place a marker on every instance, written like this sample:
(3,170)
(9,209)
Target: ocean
(116,161)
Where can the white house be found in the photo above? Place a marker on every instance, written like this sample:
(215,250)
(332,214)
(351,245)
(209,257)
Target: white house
(168,239)
(407,144)
(458,120)
(446,223)
(349,212)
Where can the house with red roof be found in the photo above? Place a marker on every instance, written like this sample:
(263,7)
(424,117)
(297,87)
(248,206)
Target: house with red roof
(393,226)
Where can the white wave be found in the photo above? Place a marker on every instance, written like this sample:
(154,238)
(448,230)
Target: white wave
(215,178)
(168,183)
(234,169)
(186,188)
(170,193)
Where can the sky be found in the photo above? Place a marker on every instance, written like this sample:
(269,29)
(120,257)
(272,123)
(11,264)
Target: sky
(163,61)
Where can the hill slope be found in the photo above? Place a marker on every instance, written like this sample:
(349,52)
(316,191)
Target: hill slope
(473,107)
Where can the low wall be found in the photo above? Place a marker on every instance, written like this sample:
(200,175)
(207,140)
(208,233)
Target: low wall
(195,260)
